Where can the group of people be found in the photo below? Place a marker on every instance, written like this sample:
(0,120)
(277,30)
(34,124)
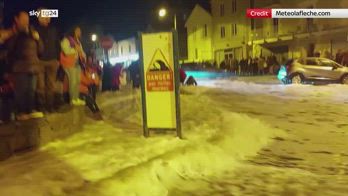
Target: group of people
(39,69)
(341,57)
(251,66)
(116,77)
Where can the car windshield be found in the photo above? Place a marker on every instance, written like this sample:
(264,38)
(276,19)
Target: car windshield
(311,62)
(329,63)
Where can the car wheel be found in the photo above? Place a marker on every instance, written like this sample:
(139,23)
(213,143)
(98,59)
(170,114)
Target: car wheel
(297,79)
(345,80)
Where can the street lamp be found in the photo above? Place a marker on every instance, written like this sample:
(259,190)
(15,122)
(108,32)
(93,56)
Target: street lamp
(163,13)
(94,37)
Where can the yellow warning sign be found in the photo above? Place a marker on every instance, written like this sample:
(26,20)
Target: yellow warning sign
(160,91)
(159,75)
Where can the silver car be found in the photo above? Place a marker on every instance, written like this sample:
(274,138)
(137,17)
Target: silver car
(316,69)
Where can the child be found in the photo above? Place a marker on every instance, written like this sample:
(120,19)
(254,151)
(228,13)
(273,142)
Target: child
(88,79)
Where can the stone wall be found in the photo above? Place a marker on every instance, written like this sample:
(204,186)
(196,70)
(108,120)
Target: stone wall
(28,135)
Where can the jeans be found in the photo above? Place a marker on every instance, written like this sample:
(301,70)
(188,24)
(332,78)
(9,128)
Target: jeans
(25,86)
(73,74)
(92,89)
(90,102)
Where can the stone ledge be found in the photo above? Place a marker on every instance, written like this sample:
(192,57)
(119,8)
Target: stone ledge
(31,134)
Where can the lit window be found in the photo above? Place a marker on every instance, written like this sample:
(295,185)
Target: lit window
(205,31)
(234,6)
(234,29)
(222,10)
(223,32)
(194,33)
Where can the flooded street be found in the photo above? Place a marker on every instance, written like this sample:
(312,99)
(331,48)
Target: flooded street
(312,159)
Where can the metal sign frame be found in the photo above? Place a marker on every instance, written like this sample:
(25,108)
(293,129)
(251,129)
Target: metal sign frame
(146,129)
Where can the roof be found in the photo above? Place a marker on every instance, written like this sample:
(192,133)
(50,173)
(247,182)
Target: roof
(197,9)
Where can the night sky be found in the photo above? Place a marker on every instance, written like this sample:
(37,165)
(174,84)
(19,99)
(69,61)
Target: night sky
(121,18)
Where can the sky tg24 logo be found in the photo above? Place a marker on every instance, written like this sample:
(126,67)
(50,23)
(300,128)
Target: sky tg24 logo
(50,13)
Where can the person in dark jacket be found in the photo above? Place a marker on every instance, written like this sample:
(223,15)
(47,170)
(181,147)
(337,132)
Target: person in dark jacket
(244,66)
(107,77)
(6,85)
(255,66)
(23,49)
(134,70)
(116,74)
(191,81)
(339,56)
(47,79)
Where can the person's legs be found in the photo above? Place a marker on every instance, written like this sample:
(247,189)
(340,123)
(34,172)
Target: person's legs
(31,89)
(6,104)
(40,91)
(77,81)
(68,73)
(58,95)
(90,103)
(25,88)
(19,91)
(73,84)
(9,108)
(93,91)
(51,73)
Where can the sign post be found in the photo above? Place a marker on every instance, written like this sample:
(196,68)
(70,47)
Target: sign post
(159,69)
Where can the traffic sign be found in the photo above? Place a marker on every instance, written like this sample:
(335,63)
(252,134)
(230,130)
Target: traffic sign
(107,42)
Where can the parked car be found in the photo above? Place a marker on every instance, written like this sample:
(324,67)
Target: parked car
(314,69)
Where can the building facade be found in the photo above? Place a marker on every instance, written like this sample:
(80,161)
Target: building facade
(199,35)
(124,51)
(236,36)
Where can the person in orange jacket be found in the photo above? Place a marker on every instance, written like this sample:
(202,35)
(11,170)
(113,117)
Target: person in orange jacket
(72,57)
(88,79)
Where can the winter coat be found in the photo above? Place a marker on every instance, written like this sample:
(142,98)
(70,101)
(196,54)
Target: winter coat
(23,52)
(69,56)
(50,38)
(88,78)
(134,71)
(191,81)
(116,74)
